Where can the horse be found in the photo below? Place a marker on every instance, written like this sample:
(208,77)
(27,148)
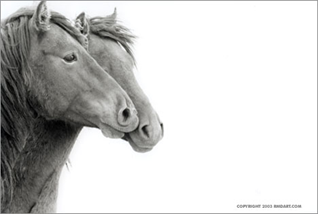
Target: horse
(50,89)
(110,44)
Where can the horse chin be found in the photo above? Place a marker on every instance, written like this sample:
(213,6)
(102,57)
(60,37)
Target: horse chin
(110,132)
(135,147)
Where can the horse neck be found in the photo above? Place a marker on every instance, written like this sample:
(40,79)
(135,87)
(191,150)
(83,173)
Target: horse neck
(36,169)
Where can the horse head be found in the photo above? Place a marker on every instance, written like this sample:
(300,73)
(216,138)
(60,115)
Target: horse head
(69,85)
(110,45)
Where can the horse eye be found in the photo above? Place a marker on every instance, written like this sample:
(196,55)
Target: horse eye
(70,58)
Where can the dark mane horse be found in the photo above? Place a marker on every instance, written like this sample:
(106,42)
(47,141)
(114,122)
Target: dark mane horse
(107,39)
(50,89)
(15,45)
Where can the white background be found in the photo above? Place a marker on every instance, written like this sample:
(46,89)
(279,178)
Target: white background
(235,84)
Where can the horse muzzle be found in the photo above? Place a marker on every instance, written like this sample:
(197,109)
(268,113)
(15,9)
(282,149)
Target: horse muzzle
(146,136)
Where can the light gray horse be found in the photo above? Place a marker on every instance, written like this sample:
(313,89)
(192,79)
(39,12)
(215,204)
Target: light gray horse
(50,88)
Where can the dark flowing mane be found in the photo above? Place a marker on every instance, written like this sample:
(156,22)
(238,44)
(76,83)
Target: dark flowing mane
(109,27)
(16,102)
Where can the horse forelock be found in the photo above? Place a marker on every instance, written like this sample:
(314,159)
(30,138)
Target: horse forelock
(16,76)
(110,28)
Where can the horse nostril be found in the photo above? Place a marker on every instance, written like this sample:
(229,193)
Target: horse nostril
(126,116)
(145,131)
(162,130)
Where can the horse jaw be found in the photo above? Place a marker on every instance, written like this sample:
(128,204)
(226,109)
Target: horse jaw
(110,132)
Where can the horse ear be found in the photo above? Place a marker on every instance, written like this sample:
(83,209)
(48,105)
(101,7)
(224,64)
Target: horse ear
(114,15)
(41,17)
(82,24)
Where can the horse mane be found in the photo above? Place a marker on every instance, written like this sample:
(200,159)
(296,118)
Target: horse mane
(17,108)
(109,27)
